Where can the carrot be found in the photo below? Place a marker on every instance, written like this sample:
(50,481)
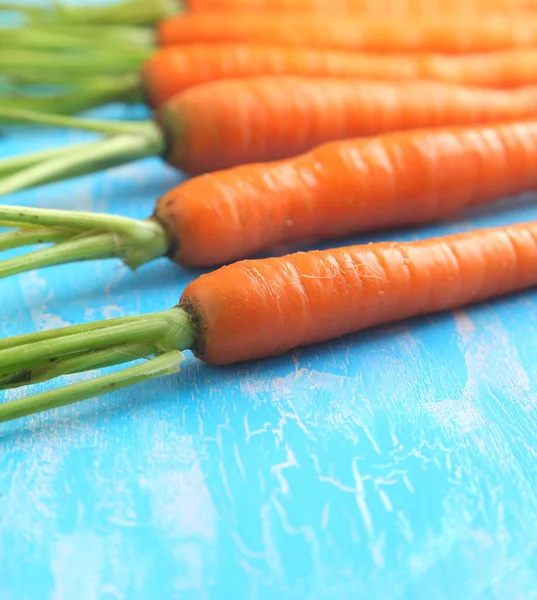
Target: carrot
(232,122)
(174,69)
(445,34)
(256,309)
(382,7)
(338,189)
(268,118)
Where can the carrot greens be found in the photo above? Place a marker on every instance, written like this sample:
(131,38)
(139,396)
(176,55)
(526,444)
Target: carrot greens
(38,357)
(125,12)
(122,143)
(78,236)
(68,69)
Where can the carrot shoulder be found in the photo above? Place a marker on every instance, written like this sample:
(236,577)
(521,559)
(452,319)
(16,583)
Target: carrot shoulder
(348,186)
(444,34)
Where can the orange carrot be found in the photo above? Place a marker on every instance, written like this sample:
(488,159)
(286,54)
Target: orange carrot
(445,34)
(231,122)
(255,309)
(338,189)
(172,70)
(382,7)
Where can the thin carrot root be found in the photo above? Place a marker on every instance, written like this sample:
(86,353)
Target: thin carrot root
(77,236)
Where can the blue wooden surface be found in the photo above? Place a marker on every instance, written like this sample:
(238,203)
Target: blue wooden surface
(397,463)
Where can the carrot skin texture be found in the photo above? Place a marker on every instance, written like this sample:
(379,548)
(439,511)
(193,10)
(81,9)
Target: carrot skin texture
(233,122)
(256,309)
(446,34)
(341,188)
(176,68)
(382,7)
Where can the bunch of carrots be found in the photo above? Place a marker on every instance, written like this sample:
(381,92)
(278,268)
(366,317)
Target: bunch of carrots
(304,119)
(138,50)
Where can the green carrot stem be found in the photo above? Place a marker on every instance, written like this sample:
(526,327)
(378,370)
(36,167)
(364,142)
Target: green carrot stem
(77,220)
(95,125)
(103,236)
(101,246)
(77,98)
(94,247)
(131,12)
(167,330)
(13,62)
(32,235)
(110,152)
(8,224)
(46,355)
(49,334)
(29,356)
(36,83)
(96,359)
(11,165)
(77,37)
(86,62)
(78,363)
(30,84)
(165,364)
(133,36)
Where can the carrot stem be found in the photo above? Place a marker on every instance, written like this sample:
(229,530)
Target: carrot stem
(23,358)
(95,156)
(49,334)
(77,37)
(163,331)
(95,125)
(91,236)
(162,365)
(96,247)
(42,356)
(11,165)
(93,65)
(75,99)
(32,235)
(127,12)
(79,363)
(8,224)
(69,218)
(14,62)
